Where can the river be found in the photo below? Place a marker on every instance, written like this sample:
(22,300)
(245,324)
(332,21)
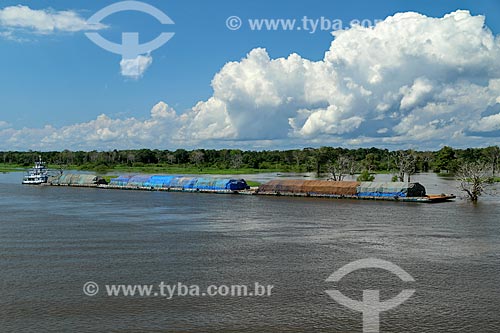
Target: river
(53,240)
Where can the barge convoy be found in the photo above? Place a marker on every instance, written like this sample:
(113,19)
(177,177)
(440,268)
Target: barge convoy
(389,191)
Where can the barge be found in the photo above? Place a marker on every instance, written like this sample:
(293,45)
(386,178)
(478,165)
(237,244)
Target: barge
(389,191)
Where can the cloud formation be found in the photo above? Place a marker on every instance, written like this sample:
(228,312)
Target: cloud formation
(411,80)
(101,133)
(18,22)
(43,21)
(135,68)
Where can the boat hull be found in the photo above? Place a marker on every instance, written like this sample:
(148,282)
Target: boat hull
(30,182)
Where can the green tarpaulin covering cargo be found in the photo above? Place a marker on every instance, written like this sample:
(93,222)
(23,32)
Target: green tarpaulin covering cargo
(77,179)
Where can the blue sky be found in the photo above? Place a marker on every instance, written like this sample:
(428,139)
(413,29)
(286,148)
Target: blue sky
(61,79)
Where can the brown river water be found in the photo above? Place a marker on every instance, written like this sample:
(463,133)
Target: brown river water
(53,240)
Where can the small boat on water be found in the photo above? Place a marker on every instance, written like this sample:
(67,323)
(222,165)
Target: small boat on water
(37,175)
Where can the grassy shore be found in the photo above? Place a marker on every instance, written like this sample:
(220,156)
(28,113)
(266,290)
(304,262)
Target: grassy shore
(11,167)
(170,169)
(151,169)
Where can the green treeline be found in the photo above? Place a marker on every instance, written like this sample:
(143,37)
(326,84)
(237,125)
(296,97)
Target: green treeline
(320,160)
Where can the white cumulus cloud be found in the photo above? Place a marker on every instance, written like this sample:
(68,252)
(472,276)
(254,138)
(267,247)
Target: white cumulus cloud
(411,80)
(135,68)
(101,133)
(42,21)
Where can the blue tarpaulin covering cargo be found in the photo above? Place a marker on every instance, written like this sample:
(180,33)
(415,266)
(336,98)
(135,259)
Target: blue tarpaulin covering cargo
(138,181)
(180,182)
(120,181)
(159,181)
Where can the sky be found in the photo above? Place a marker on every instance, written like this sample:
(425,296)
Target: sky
(415,74)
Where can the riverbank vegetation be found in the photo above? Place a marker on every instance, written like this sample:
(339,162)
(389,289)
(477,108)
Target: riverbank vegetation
(10,167)
(336,162)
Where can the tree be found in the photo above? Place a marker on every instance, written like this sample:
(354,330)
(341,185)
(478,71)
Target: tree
(171,158)
(66,157)
(197,157)
(298,157)
(474,177)
(236,159)
(181,156)
(493,156)
(343,166)
(370,162)
(146,156)
(130,158)
(365,176)
(423,161)
(446,159)
(322,156)
(406,163)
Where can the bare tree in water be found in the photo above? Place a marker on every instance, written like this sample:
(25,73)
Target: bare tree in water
(474,178)
(343,166)
(406,163)
(493,155)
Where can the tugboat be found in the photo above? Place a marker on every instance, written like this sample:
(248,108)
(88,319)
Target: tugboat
(37,175)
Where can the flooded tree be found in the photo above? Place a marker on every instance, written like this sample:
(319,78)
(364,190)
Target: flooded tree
(343,166)
(493,155)
(474,177)
(365,176)
(406,163)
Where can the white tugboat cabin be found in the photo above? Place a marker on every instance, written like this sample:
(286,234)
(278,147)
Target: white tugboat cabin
(37,175)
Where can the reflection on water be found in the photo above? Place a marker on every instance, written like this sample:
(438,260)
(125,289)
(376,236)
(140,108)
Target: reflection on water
(53,240)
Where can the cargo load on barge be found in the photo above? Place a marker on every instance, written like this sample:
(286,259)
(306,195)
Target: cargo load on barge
(77,179)
(395,191)
(179,183)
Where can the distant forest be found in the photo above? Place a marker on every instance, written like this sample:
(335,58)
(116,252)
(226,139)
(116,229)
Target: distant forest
(320,160)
